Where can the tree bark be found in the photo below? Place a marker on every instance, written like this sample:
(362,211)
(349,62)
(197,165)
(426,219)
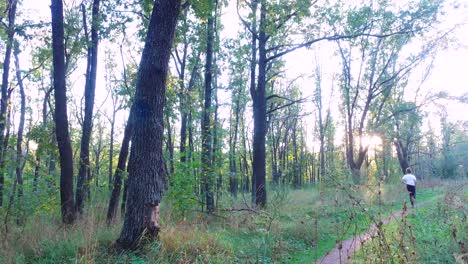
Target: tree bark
(259,115)
(207,147)
(111,149)
(4,99)
(61,119)
(146,179)
(82,187)
(19,139)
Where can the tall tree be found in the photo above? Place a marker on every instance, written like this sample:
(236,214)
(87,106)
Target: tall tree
(379,65)
(207,123)
(186,57)
(259,115)
(120,170)
(61,119)
(10,28)
(237,82)
(321,120)
(19,138)
(82,188)
(146,179)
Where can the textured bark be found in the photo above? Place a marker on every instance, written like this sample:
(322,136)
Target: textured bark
(147,176)
(61,119)
(206,129)
(4,100)
(82,188)
(19,137)
(259,194)
(120,170)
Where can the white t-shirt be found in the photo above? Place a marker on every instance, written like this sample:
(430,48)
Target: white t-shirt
(409,179)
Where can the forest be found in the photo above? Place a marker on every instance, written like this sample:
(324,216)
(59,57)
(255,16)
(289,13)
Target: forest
(233,131)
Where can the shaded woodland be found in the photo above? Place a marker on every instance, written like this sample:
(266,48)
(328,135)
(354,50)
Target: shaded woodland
(136,105)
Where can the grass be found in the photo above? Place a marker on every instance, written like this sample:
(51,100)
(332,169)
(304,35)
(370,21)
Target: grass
(435,232)
(299,226)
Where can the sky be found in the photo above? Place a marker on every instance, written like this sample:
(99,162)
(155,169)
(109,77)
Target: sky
(449,71)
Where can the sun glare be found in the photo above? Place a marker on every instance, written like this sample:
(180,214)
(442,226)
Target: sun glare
(373,142)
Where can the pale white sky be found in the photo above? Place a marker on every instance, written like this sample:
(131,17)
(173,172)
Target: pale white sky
(449,72)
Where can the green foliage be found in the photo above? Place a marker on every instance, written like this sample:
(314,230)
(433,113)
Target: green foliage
(182,194)
(203,9)
(299,226)
(433,233)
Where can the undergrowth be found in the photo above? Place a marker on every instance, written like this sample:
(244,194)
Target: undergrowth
(299,226)
(435,232)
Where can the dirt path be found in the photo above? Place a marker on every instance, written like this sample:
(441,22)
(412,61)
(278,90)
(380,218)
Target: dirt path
(343,252)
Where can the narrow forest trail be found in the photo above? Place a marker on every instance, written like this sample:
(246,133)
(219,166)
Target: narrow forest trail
(343,251)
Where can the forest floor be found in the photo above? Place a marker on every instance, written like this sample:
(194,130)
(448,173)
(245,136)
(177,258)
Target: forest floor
(343,252)
(436,231)
(299,226)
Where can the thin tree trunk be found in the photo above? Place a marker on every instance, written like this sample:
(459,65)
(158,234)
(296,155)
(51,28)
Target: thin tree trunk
(5,76)
(123,205)
(82,187)
(120,170)
(19,139)
(233,178)
(297,176)
(183,96)
(61,119)
(146,179)
(170,145)
(245,164)
(402,154)
(111,149)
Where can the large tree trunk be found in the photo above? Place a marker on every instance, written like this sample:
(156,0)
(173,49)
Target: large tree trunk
(206,130)
(259,115)
(146,179)
(61,118)
(120,170)
(4,100)
(82,188)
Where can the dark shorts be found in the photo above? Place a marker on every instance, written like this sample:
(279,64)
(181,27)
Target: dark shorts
(412,190)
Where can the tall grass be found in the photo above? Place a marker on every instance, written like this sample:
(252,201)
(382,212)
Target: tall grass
(435,232)
(298,226)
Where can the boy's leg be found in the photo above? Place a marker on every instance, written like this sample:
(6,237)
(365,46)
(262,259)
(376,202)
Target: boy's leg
(412,199)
